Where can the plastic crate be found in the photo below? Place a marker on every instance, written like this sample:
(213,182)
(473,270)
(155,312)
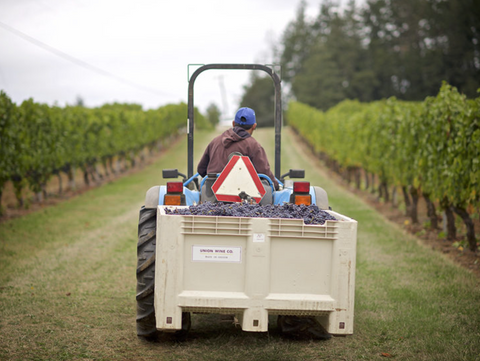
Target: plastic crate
(253,268)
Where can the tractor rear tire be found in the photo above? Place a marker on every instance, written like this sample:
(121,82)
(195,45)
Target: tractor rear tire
(147,229)
(146,322)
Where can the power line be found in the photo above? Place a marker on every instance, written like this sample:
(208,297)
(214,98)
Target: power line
(81,63)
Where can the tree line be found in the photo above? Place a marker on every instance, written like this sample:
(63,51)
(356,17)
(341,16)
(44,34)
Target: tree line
(372,51)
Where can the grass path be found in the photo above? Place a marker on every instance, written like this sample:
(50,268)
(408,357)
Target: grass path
(67,284)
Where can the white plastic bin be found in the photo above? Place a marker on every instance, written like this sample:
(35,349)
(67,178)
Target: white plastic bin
(255,267)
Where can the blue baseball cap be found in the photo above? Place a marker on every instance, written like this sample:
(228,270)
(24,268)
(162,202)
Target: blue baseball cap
(245,116)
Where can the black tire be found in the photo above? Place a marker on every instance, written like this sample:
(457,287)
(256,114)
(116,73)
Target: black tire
(147,229)
(146,322)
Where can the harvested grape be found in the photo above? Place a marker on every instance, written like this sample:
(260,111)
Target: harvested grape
(310,214)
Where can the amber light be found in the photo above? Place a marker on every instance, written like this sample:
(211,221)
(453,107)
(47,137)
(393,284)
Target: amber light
(307,200)
(173,200)
(174,187)
(301,187)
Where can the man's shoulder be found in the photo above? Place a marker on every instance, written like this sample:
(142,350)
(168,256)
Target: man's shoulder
(253,141)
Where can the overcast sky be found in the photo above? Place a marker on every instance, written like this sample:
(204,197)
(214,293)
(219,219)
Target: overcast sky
(135,51)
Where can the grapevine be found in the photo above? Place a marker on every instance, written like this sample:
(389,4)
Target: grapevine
(429,148)
(38,141)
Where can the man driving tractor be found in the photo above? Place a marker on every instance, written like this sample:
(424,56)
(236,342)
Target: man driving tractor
(237,139)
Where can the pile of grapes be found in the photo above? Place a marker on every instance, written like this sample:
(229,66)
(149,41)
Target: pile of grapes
(310,214)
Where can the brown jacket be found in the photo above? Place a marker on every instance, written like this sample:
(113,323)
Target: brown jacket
(236,139)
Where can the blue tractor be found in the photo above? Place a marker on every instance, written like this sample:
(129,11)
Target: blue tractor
(193,189)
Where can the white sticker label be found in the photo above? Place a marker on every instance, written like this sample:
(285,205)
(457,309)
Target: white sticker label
(259,237)
(216,254)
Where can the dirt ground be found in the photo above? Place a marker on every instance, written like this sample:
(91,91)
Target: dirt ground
(431,238)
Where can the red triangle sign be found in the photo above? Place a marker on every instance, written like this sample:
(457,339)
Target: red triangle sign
(237,176)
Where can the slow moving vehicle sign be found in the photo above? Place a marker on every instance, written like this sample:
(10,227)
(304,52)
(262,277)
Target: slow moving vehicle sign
(238,171)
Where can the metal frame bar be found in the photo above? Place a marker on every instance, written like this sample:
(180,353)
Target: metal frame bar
(277,112)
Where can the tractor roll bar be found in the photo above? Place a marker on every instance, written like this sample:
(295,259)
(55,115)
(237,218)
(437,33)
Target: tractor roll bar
(277,115)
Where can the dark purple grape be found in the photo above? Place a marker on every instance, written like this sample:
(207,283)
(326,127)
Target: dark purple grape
(310,214)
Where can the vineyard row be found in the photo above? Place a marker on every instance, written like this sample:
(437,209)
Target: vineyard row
(38,141)
(429,149)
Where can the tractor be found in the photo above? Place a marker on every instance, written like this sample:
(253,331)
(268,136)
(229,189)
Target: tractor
(244,267)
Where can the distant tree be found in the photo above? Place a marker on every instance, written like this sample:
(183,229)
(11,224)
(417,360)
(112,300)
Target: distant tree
(213,114)
(402,48)
(335,67)
(79,102)
(381,54)
(454,35)
(259,95)
(296,44)
(320,82)
(416,44)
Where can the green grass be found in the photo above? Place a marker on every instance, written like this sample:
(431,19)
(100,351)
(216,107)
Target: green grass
(67,284)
